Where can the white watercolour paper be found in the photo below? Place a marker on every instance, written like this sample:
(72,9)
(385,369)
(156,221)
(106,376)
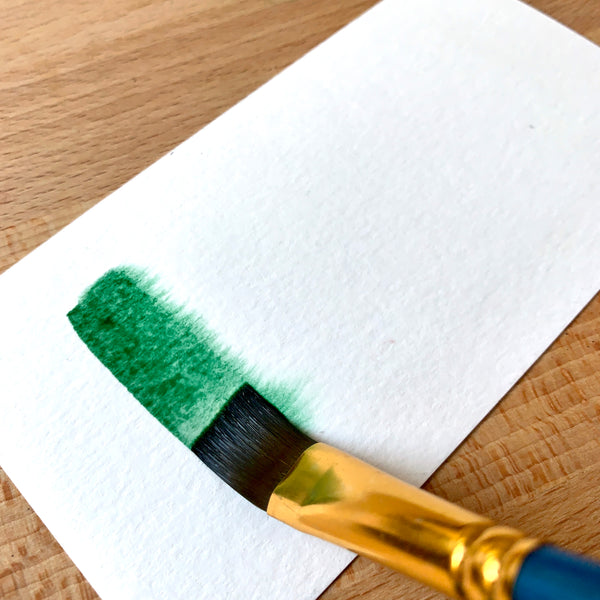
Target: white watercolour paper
(402,221)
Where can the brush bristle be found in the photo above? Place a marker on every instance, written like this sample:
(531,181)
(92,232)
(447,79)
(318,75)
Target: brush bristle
(251,446)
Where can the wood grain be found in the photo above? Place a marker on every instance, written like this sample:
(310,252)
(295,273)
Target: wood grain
(93,92)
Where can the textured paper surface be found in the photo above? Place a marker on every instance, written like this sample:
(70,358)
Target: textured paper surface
(401,223)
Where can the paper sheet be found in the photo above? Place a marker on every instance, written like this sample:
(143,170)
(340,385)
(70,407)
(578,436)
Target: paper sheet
(402,222)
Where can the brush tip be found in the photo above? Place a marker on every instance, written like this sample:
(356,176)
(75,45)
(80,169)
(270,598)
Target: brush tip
(251,446)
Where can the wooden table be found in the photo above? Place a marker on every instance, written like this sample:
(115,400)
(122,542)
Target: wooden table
(93,92)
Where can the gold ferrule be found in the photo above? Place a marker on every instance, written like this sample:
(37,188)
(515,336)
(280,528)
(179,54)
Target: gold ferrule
(334,496)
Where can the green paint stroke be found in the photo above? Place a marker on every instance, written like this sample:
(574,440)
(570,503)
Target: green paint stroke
(164,355)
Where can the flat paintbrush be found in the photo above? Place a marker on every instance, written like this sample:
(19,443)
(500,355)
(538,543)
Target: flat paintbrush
(174,366)
(332,495)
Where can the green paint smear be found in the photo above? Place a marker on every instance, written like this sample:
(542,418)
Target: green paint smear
(164,355)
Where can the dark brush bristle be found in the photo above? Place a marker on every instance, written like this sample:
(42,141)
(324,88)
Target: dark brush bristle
(251,446)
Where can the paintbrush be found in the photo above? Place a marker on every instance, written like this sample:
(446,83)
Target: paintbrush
(327,493)
(175,367)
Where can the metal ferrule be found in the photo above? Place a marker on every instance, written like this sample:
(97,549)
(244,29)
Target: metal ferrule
(334,496)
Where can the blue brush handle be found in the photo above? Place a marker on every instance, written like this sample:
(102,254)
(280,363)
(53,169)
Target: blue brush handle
(549,573)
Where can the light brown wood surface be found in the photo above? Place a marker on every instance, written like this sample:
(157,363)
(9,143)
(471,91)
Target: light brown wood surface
(93,92)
